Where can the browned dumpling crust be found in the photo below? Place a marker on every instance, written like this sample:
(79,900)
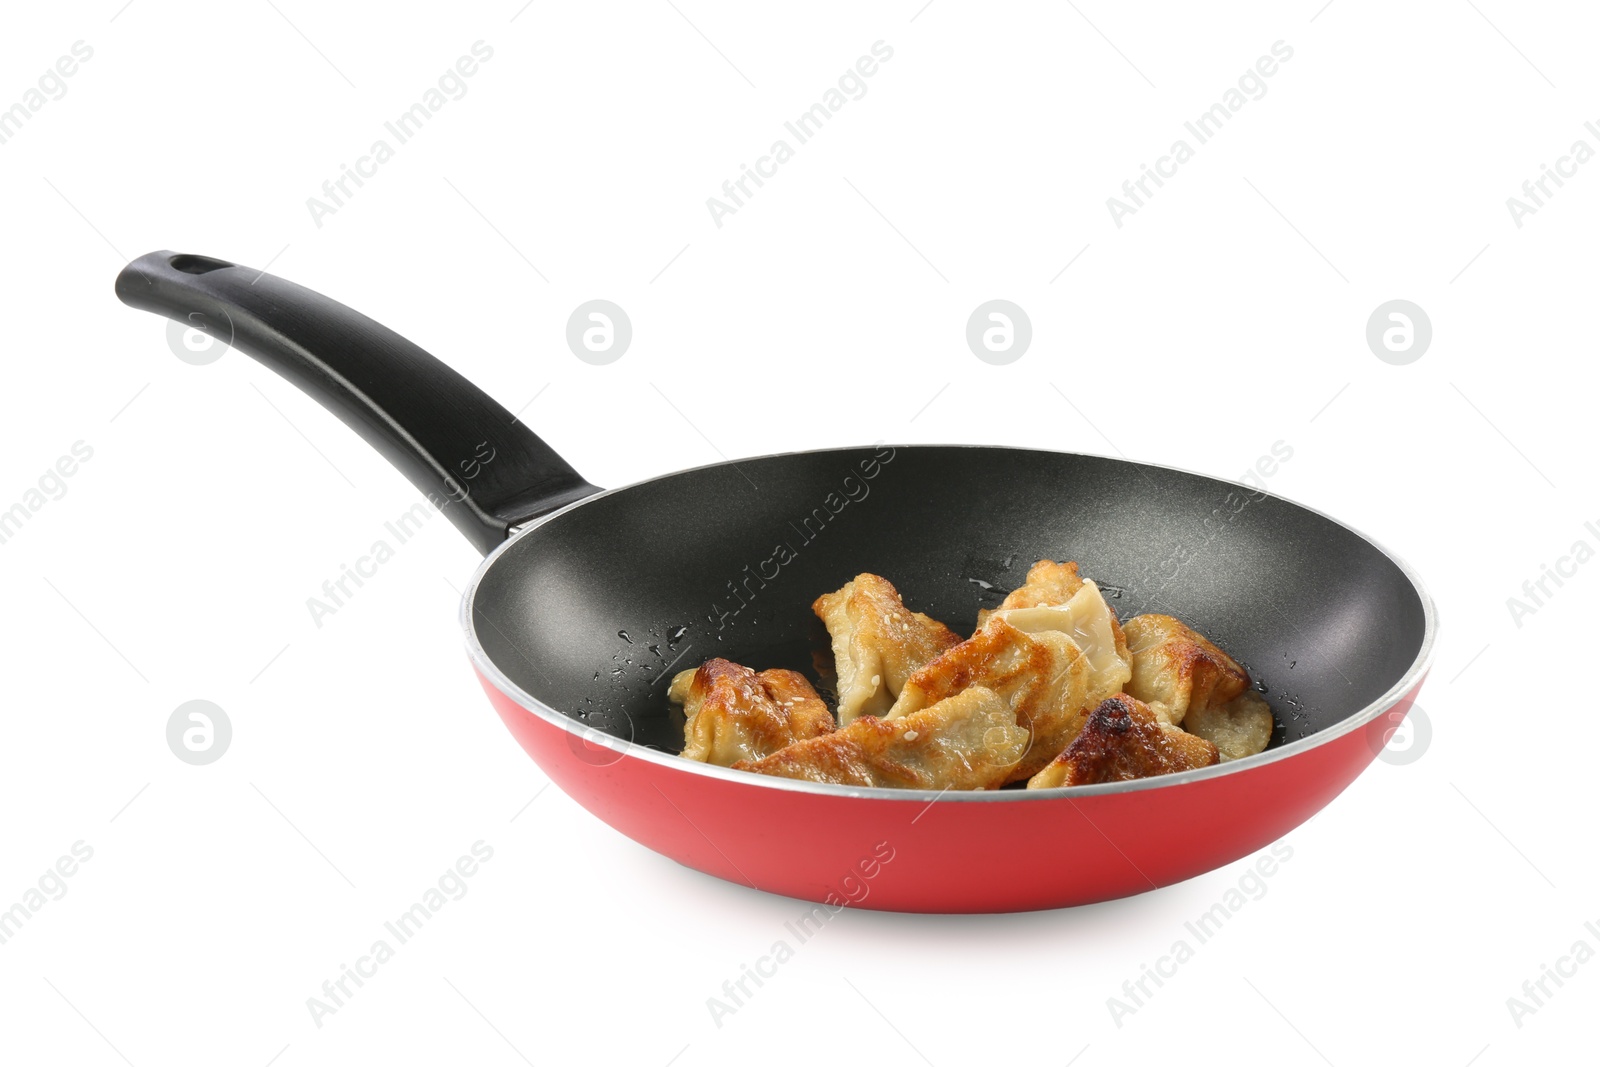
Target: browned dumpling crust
(733,713)
(971,741)
(1176,670)
(1048,582)
(1123,740)
(878,643)
(1043,678)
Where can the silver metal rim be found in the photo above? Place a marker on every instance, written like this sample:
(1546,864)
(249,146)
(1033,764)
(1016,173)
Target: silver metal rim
(632,750)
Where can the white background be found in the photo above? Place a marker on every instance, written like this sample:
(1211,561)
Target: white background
(1226,315)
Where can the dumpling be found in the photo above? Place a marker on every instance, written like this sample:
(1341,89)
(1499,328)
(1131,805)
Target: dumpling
(877,643)
(1241,727)
(1048,582)
(1177,671)
(1089,621)
(971,741)
(732,713)
(1044,678)
(1123,740)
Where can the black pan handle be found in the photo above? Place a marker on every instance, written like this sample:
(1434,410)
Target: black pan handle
(486,471)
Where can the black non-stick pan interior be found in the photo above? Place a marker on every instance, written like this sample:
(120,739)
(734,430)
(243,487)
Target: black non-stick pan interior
(592,611)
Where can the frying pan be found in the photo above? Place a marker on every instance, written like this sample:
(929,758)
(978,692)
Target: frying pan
(588,601)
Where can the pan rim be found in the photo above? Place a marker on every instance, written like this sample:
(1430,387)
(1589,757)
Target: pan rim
(1409,680)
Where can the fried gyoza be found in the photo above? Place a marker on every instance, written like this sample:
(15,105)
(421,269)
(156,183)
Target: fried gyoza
(1241,727)
(1177,671)
(970,741)
(877,643)
(1093,627)
(1123,739)
(1044,678)
(732,713)
(1048,583)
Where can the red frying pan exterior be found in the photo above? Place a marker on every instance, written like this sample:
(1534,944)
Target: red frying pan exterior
(1006,851)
